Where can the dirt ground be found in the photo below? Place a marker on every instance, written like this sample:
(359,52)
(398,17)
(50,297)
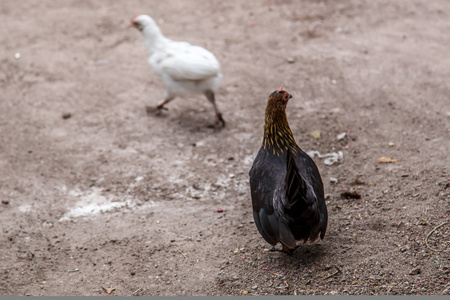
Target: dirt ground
(96,195)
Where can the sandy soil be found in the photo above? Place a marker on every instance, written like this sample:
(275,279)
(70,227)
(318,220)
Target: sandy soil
(97,195)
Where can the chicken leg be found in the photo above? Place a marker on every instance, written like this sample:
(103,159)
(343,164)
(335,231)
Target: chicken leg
(159,107)
(210,96)
(285,249)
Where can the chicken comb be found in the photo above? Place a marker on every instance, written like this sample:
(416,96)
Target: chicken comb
(134,17)
(281,89)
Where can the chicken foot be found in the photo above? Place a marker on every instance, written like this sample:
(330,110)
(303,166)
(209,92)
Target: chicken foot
(285,249)
(158,108)
(220,122)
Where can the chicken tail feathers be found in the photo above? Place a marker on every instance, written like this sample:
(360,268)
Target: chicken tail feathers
(267,225)
(302,207)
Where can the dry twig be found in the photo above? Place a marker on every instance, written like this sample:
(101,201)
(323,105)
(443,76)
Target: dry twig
(179,251)
(338,270)
(430,233)
(275,274)
(137,291)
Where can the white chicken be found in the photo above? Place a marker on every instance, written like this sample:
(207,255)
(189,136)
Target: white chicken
(183,68)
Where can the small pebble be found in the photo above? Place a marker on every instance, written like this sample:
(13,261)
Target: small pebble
(326,268)
(17,55)
(333,180)
(415,271)
(6,202)
(290,60)
(341,136)
(220,210)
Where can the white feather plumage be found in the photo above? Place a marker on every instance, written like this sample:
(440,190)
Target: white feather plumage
(183,68)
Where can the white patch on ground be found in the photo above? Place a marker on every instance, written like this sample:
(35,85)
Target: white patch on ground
(25,208)
(331,158)
(96,201)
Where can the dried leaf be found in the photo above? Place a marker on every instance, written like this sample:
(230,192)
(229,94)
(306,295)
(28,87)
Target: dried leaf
(384,159)
(108,290)
(315,134)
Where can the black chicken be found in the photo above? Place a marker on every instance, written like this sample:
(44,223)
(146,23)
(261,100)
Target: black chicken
(286,187)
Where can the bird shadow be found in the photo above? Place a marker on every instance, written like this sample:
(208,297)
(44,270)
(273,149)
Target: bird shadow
(305,255)
(188,120)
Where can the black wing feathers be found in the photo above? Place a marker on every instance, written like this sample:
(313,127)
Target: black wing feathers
(287,207)
(302,203)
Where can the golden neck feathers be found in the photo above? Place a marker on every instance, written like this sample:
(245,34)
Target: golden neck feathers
(278,137)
